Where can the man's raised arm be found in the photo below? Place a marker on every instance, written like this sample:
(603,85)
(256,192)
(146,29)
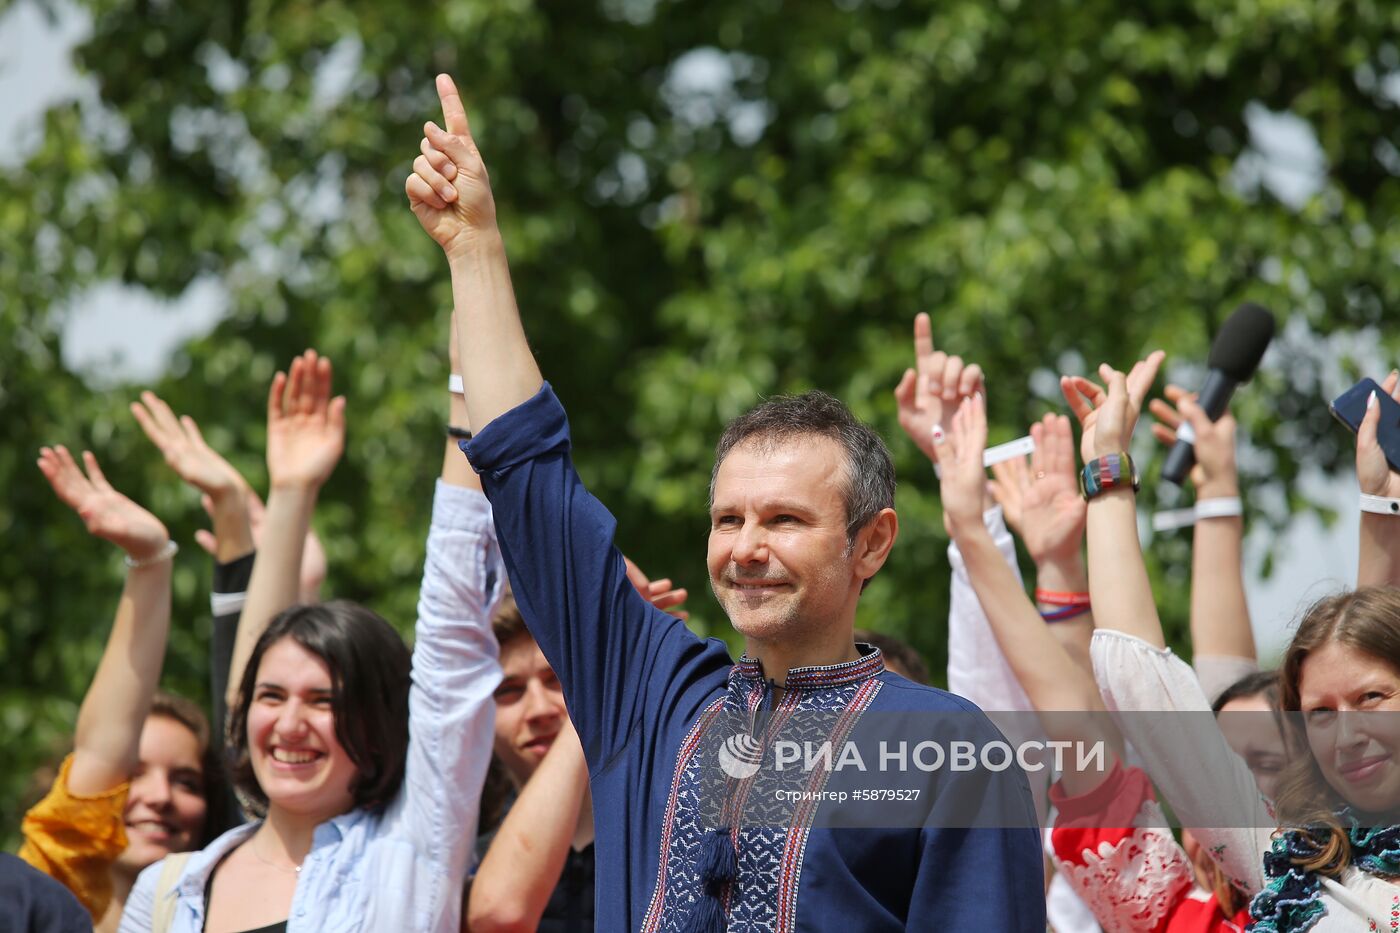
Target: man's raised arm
(450,194)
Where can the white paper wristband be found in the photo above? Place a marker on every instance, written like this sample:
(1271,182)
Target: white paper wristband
(1020,447)
(454,385)
(1380,505)
(1229,507)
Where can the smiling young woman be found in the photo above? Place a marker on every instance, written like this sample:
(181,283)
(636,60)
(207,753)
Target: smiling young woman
(367,779)
(1342,673)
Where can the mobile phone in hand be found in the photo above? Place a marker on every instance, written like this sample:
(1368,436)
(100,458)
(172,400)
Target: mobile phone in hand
(1350,407)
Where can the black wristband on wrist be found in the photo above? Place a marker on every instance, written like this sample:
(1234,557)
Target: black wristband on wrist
(462,434)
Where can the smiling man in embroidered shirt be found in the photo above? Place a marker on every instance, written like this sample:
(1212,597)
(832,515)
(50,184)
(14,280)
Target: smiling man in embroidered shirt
(802,517)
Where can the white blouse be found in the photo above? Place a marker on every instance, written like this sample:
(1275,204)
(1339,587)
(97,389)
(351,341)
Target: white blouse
(1197,772)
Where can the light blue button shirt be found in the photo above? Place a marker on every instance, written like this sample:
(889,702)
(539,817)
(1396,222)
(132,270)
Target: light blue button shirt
(401,870)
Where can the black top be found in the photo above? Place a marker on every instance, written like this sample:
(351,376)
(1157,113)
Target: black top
(35,903)
(230,578)
(278,927)
(570,907)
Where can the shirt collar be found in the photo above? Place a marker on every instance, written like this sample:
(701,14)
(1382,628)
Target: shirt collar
(201,863)
(869,664)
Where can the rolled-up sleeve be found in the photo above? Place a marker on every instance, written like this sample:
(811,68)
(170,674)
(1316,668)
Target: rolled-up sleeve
(456,670)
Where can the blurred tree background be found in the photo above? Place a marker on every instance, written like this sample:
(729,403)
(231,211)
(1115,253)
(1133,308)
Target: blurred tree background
(704,203)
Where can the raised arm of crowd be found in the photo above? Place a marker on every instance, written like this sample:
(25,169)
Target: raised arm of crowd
(557,750)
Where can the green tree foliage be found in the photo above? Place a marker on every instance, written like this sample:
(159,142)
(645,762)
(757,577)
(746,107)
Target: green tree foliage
(704,203)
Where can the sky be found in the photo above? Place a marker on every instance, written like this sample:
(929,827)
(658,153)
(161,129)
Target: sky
(116,333)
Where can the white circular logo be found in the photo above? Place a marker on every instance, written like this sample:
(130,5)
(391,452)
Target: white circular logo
(740,756)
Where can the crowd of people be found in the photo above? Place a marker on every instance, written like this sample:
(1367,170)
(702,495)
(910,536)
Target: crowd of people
(543,757)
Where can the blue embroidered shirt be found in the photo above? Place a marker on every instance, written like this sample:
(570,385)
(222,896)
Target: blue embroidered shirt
(644,694)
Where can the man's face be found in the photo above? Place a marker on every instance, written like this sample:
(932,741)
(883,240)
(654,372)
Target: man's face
(778,556)
(530,708)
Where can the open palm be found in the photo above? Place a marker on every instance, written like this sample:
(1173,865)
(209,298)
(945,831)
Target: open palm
(107,513)
(1041,499)
(181,443)
(305,426)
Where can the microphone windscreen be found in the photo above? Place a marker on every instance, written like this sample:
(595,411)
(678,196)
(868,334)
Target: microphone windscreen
(1241,343)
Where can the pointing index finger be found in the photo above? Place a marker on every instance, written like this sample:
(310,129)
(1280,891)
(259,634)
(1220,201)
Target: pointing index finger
(453,113)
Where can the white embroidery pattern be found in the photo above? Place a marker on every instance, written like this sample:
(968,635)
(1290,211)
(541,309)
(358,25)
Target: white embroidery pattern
(1132,884)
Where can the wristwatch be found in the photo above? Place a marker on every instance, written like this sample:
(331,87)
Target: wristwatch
(1111,471)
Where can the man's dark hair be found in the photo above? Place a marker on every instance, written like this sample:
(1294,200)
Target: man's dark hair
(870,479)
(508,624)
(369,667)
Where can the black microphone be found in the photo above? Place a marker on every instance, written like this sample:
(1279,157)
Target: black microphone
(1234,357)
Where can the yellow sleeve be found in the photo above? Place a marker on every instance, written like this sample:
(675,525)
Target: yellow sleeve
(76,839)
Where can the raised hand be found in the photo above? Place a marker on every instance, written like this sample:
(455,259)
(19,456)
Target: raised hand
(659,593)
(1373,473)
(107,513)
(1214,474)
(305,426)
(1108,418)
(449,190)
(1041,498)
(930,395)
(964,477)
(181,443)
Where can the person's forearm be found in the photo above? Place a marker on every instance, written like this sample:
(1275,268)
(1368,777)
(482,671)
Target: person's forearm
(1118,586)
(1062,690)
(232,527)
(276,573)
(1219,612)
(498,370)
(523,865)
(1379,564)
(456,471)
(1051,679)
(108,735)
(1062,573)
(1067,574)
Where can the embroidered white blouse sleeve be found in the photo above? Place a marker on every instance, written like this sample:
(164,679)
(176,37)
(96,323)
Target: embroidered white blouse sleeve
(1187,758)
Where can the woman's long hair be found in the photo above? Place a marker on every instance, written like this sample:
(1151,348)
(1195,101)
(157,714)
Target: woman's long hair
(1368,620)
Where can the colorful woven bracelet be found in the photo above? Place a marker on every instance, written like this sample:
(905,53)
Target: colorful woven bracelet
(1060,615)
(1055,598)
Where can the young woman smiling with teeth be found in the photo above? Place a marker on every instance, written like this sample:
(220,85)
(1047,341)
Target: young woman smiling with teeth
(366,765)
